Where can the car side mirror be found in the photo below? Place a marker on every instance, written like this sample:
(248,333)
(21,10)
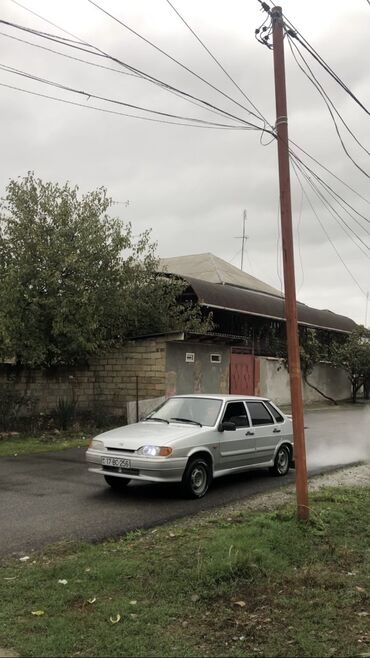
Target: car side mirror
(227,426)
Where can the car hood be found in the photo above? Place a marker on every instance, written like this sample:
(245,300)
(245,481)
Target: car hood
(132,437)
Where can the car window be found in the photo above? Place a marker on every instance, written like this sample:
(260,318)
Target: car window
(236,412)
(259,414)
(198,410)
(278,417)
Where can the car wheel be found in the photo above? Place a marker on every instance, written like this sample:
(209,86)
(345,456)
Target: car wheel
(197,478)
(281,463)
(117,484)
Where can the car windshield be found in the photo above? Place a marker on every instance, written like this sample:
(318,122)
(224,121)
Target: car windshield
(202,411)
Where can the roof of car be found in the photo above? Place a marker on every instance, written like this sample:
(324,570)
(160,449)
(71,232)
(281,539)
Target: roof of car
(219,396)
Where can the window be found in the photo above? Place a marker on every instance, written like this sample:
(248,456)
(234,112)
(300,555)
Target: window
(236,412)
(278,417)
(215,358)
(190,357)
(259,414)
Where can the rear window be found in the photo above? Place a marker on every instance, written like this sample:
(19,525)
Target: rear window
(259,414)
(278,417)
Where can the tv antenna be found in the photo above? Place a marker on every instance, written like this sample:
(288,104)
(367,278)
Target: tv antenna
(243,238)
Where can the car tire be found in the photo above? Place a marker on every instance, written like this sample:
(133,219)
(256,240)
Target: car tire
(197,478)
(281,462)
(117,484)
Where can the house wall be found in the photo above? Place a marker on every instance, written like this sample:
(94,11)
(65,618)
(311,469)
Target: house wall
(274,382)
(199,375)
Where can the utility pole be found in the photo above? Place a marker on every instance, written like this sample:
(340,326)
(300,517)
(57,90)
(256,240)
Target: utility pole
(288,263)
(366,306)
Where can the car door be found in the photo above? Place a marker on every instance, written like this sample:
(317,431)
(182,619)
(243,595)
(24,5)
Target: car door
(267,432)
(237,448)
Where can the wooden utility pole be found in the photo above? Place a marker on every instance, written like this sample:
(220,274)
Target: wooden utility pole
(288,262)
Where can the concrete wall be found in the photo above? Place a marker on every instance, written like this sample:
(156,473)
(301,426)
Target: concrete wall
(198,375)
(274,382)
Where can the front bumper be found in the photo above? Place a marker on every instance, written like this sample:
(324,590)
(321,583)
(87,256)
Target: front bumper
(149,469)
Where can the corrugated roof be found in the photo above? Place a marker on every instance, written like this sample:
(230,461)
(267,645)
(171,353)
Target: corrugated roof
(207,267)
(231,298)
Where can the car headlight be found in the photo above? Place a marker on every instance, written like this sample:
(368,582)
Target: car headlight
(154,451)
(95,444)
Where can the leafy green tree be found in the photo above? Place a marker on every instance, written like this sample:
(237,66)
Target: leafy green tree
(354,357)
(74,280)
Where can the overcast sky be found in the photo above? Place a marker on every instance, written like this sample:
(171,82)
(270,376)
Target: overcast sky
(191,185)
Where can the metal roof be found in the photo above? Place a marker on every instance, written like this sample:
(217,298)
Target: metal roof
(207,267)
(251,302)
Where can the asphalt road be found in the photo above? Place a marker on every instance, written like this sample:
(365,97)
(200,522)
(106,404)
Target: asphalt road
(52,497)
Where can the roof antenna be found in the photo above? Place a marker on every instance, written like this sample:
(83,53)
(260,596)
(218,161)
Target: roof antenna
(243,238)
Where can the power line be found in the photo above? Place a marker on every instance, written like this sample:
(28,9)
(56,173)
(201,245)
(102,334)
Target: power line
(329,104)
(173,59)
(57,52)
(326,233)
(328,187)
(336,216)
(125,114)
(142,74)
(107,68)
(217,61)
(46,20)
(293,32)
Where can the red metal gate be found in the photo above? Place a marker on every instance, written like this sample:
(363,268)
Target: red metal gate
(242,374)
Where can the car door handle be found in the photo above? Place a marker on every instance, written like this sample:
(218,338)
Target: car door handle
(249,433)
(276,430)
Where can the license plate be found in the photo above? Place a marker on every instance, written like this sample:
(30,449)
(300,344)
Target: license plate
(117,462)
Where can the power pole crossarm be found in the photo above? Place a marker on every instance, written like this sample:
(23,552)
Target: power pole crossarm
(288,263)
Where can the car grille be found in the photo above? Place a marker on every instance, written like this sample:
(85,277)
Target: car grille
(121,471)
(124,450)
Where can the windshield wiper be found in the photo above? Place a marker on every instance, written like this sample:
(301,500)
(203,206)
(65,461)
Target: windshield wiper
(158,420)
(187,420)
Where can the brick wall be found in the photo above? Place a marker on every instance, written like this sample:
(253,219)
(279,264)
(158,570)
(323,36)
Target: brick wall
(109,380)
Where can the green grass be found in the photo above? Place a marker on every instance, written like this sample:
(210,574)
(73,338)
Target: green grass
(303,587)
(27,444)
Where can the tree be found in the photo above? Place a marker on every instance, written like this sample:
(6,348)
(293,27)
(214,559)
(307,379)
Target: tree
(311,351)
(74,280)
(354,357)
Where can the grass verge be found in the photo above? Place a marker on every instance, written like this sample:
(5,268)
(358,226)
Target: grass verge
(249,585)
(23,444)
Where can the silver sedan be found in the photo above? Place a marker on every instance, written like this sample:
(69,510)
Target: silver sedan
(192,439)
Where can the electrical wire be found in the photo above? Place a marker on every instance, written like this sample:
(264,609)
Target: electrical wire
(173,59)
(321,90)
(142,74)
(101,66)
(329,104)
(89,95)
(46,20)
(101,109)
(299,241)
(340,180)
(77,59)
(336,216)
(217,62)
(326,233)
(293,32)
(329,188)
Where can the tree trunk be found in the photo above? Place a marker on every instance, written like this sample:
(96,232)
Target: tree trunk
(327,397)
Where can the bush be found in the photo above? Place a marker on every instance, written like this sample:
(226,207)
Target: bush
(65,412)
